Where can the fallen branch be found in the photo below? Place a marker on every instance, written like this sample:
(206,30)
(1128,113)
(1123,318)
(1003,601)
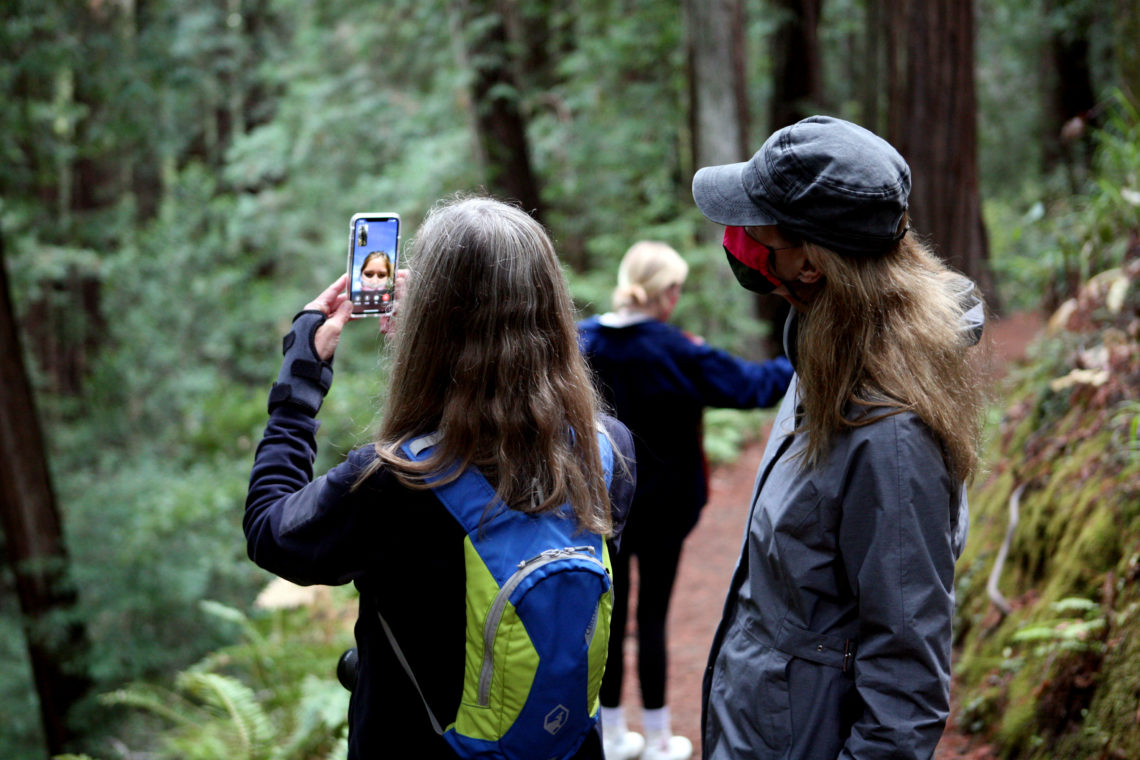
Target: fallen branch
(995,574)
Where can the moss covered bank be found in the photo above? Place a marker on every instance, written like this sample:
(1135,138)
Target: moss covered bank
(1049,642)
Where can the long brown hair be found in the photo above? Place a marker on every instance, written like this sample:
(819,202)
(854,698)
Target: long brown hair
(887,334)
(486,354)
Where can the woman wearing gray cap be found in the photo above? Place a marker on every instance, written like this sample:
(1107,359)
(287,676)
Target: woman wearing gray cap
(836,634)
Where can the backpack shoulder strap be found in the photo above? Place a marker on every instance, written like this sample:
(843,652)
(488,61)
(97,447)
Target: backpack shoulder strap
(408,669)
(467,496)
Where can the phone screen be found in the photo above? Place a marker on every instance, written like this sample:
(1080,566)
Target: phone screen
(373,255)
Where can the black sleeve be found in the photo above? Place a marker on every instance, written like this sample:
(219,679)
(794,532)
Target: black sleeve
(624,480)
(304,529)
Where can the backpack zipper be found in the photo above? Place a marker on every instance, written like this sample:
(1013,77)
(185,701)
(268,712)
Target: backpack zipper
(495,614)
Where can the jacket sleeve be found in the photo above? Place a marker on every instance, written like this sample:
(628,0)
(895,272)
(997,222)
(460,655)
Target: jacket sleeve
(895,542)
(302,529)
(624,480)
(726,381)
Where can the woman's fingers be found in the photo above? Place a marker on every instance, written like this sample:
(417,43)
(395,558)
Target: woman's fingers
(328,300)
(328,335)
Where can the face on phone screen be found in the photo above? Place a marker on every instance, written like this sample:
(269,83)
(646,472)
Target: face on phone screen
(372,259)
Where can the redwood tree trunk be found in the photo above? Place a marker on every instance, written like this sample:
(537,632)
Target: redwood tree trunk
(500,126)
(34,543)
(1071,95)
(718,113)
(797,90)
(872,68)
(934,125)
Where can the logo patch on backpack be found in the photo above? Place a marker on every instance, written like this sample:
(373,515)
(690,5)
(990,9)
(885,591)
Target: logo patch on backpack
(539,601)
(556,719)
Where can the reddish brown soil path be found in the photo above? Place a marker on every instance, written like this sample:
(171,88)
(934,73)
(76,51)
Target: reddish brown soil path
(710,556)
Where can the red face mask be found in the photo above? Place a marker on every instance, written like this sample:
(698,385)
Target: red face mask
(754,255)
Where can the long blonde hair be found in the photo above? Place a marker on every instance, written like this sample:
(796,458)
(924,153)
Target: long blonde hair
(887,334)
(486,353)
(646,271)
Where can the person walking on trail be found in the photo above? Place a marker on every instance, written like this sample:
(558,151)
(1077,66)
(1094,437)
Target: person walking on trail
(658,380)
(485,354)
(836,633)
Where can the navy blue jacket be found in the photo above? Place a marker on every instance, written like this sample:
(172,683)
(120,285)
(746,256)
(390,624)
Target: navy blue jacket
(403,550)
(658,381)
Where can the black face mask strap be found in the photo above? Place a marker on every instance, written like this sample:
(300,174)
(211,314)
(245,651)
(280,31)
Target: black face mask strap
(788,285)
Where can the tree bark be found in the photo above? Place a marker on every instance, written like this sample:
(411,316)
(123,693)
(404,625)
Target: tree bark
(1071,99)
(934,125)
(500,125)
(719,116)
(797,90)
(34,541)
(872,67)
(718,113)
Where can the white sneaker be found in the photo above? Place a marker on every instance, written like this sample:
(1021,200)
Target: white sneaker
(625,746)
(668,748)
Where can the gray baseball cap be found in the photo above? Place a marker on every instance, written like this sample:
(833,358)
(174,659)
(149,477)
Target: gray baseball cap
(823,179)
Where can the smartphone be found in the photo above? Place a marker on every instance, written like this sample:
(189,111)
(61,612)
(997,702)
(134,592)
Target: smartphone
(373,256)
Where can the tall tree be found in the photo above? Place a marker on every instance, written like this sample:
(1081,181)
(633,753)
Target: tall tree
(718,113)
(871,67)
(1071,99)
(500,126)
(797,90)
(933,123)
(34,542)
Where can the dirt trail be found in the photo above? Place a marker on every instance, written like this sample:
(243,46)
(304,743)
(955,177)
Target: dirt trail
(710,556)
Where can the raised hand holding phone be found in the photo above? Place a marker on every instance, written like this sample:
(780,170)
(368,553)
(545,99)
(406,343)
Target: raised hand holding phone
(333,303)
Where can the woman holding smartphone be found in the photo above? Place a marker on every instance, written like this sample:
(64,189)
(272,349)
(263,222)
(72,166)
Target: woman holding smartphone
(485,355)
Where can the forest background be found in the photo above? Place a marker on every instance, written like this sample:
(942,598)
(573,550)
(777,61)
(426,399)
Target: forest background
(176,180)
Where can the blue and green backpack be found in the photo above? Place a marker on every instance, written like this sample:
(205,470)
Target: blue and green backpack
(539,599)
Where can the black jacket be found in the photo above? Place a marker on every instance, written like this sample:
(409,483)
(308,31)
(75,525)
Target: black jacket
(404,552)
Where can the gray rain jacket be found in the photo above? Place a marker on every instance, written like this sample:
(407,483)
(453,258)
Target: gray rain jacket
(836,634)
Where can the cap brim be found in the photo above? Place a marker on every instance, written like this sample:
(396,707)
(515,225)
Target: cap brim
(720,195)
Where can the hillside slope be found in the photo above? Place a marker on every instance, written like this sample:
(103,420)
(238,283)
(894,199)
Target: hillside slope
(1050,639)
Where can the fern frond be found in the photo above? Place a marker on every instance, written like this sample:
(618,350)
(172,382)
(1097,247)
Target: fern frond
(151,700)
(321,720)
(235,700)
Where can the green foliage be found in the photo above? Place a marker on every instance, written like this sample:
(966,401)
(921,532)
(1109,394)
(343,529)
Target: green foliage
(199,162)
(728,430)
(17,701)
(259,699)
(613,179)
(1079,633)
(1046,244)
(1053,678)
(1009,49)
(1128,418)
